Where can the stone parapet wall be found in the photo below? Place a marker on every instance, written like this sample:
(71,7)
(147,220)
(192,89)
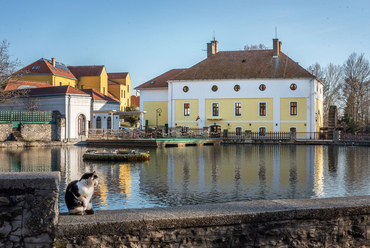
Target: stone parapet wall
(332,222)
(29,217)
(5,131)
(36,132)
(29,209)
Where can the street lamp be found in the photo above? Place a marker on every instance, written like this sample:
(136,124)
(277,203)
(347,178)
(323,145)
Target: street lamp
(159,111)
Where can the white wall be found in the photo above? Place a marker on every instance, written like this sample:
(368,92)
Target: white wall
(70,106)
(105,106)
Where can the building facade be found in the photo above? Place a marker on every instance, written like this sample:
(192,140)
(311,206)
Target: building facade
(257,90)
(80,77)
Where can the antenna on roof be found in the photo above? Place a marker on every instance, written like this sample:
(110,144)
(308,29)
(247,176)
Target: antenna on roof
(275,32)
(214,35)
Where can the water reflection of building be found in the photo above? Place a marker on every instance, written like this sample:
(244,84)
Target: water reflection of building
(243,172)
(26,160)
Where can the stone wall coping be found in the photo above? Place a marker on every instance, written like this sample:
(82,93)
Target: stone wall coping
(114,222)
(34,180)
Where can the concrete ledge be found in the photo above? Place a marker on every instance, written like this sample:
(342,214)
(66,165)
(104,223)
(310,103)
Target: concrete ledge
(34,180)
(131,220)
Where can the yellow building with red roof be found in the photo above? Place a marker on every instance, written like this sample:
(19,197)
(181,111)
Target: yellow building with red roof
(81,77)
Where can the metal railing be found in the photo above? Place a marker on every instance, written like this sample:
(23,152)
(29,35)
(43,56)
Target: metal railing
(271,135)
(190,133)
(27,116)
(355,137)
(175,133)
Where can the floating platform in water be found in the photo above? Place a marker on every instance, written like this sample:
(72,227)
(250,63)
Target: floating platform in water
(126,156)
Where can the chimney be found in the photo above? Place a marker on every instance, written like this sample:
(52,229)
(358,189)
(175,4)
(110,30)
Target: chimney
(212,48)
(53,61)
(280,46)
(276,48)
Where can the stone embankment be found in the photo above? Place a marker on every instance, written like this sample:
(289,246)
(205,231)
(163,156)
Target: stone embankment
(29,217)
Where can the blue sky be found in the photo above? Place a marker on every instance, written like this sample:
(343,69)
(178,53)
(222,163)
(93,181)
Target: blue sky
(148,38)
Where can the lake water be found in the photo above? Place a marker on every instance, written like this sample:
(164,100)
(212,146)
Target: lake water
(209,174)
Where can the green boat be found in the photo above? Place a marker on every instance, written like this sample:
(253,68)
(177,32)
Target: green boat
(120,155)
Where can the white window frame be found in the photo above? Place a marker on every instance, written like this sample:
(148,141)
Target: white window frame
(241,132)
(259,109)
(218,109)
(183,112)
(290,108)
(241,109)
(259,128)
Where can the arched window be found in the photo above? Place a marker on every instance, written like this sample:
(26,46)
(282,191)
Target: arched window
(98,122)
(81,124)
(238,130)
(109,123)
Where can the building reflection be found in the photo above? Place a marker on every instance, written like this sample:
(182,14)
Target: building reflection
(210,174)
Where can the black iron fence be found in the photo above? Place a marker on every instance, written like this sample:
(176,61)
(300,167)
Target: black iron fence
(355,137)
(205,133)
(178,133)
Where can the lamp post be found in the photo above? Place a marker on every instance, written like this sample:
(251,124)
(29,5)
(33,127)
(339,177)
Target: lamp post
(159,111)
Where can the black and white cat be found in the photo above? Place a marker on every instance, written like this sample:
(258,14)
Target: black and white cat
(79,194)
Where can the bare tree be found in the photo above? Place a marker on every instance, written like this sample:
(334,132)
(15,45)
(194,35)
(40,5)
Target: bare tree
(7,70)
(331,77)
(356,88)
(255,47)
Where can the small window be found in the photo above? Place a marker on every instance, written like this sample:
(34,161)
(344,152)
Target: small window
(185,89)
(293,130)
(262,87)
(109,123)
(104,90)
(262,131)
(60,83)
(82,87)
(238,131)
(98,122)
(152,82)
(293,86)
(214,88)
(36,67)
(186,109)
(238,109)
(215,109)
(237,87)
(262,109)
(293,108)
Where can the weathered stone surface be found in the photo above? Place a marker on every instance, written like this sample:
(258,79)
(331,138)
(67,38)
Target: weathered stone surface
(328,222)
(28,214)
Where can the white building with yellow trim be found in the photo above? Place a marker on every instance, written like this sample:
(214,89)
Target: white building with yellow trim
(257,90)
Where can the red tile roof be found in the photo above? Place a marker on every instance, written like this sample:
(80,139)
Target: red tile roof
(97,96)
(245,65)
(15,84)
(52,90)
(135,101)
(89,70)
(117,75)
(44,66)
(161,81)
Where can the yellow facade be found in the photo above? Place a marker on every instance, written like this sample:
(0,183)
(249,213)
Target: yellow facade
(122,91)
(119,92)
(53,80)
(319,110)
(301,109)
(99,83)
(151,108)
